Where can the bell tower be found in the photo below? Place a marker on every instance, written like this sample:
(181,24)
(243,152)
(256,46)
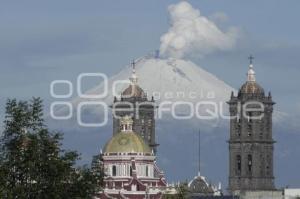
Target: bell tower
(134,102)
(251,142)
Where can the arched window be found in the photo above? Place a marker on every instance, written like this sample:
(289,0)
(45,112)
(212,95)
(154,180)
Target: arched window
(239,164)
(114,170)
(249,163)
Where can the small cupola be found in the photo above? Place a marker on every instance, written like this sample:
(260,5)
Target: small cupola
(133,90)
(251,86)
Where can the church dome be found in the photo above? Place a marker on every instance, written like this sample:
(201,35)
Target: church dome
(133,90)
(126,141)
(251,88)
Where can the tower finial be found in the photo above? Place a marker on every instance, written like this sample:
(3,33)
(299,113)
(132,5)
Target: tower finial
(251,59)
(134,77)
(133,66)
(251,72)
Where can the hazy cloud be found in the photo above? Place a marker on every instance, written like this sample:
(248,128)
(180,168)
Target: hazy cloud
(219,17)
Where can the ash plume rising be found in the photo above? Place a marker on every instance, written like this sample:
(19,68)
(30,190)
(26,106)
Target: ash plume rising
(192,33)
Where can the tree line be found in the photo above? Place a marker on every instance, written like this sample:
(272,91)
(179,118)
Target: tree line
(33,163)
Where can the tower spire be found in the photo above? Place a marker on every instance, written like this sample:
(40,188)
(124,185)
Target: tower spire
(251,72)
(134,77)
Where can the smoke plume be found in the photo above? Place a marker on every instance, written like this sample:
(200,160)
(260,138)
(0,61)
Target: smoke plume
(192,33)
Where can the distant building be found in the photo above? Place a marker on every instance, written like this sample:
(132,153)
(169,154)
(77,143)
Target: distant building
(130,166)
(291,193)
(200,187)
(142,111)
(251,141)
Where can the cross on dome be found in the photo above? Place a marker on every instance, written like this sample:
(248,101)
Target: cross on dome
(251,59)
(251,72)
(134,77)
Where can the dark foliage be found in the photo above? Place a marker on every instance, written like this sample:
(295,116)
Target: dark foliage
(32,163)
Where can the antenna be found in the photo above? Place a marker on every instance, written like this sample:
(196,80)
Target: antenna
(199,155)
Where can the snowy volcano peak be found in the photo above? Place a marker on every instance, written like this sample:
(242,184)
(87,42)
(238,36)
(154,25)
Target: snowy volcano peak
(177,79)
(168,79)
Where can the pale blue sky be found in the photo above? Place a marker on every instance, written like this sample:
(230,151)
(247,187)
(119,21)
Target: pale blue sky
(38,39)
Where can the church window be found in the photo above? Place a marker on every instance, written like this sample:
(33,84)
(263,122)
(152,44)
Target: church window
(249,163)
(238,129)
(268,165)
(268,170)
(250,117)
(239,164)
(249,129)
(114,170)
(143,132)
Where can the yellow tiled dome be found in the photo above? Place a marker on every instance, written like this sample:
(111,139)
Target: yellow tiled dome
(126,142)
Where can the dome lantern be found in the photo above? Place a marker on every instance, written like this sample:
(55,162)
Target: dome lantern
(251,74)
(126,124)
